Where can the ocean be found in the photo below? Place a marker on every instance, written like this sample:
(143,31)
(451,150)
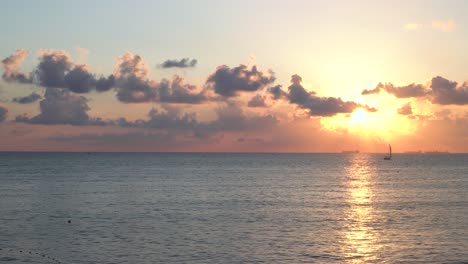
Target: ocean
(233,208)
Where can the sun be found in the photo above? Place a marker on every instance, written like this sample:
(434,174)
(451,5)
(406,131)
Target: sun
(359,117)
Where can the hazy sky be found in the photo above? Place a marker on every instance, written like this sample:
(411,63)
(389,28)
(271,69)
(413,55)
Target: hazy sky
(218,75)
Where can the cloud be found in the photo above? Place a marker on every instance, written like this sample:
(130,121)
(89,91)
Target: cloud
(319,106)
(277,92)
(376,90)
(134,85)
(257,101)
(60,107)
(132,80)
(447,26)
(31,98)
(57,70)
(405,109)
(231,117)
(179,92)
(445,92)
(52,68)
(408,91)
(12,66)
(228,82)
(412,26)
(171,119)
(439,91)
(3,113)
(104,84)
(183,63)
(79,79)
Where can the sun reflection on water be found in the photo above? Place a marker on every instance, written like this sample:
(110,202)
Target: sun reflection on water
(361,242)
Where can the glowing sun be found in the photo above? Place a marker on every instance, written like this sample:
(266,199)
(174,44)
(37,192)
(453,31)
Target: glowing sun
(359,117)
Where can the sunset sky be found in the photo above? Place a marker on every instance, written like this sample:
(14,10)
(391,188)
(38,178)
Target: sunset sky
(240,76)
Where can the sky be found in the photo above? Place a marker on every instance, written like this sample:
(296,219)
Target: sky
(234,76)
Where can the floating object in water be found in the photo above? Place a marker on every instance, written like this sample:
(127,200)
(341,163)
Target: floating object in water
(69,221)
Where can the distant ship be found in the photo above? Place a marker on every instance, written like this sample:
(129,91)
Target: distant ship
(350,151)
(389,157)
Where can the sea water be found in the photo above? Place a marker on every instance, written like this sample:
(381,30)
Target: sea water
(233,208)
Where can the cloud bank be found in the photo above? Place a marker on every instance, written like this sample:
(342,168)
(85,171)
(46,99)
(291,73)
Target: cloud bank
(316,106)
(439,91)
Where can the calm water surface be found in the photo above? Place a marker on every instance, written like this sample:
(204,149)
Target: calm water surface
(233,208)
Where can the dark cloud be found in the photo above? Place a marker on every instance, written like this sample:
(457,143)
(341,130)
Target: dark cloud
(320,106)
(57,70)
(60,107)
(376,90)
(134,84)
(408,91)
(171,120)
(52,68)
(179,92)
(12,66)
(3,113)
(105,84)
(132,80)
(135,90)
(412,90)
(79,80)
(183,63)
(445,92)
(405,109)
(33,97)
(257,101)
(229,82)
(277,92)
(440,91)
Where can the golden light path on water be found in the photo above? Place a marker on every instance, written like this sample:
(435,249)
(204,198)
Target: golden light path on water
(362,243)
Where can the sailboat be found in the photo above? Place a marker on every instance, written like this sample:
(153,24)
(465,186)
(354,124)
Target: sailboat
(389,157)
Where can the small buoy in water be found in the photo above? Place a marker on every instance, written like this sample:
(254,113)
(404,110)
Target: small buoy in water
(69,221)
